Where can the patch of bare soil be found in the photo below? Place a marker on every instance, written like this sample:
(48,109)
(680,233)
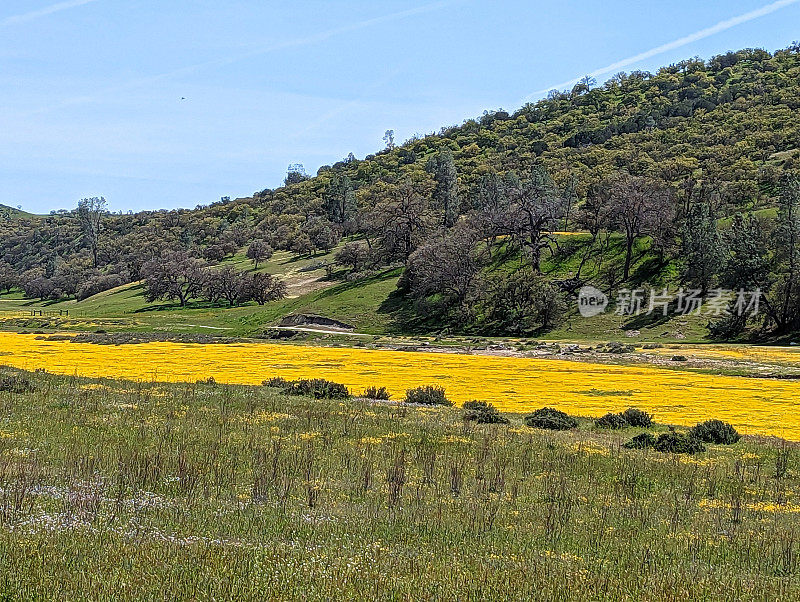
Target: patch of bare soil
(299,285)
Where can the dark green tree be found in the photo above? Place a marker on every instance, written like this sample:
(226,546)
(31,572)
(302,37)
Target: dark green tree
(746,268)
(785,303)
(702,247)
(339,199)
(445,192)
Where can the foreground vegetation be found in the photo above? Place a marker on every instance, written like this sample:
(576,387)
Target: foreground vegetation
(122,489)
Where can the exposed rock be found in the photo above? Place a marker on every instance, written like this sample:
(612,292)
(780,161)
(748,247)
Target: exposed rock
(313,320)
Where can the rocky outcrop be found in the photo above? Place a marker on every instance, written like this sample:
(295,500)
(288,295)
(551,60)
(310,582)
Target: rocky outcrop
(314,320)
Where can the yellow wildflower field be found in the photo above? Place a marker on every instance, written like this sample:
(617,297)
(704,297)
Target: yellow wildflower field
(750,353)
(754,406)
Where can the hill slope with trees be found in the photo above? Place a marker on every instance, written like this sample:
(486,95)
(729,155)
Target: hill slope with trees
(682,178)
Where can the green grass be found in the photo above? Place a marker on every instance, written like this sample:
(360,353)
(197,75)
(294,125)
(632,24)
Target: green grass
(373,305)
(366,304)
(120,490)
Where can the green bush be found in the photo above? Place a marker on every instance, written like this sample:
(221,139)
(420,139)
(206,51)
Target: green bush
(715,431)
(483,413)
(376,393)
(14,383)
(641,441)
(428,395)
(318,388)
(678,443)
(612,421)
(636,417)
(552,419)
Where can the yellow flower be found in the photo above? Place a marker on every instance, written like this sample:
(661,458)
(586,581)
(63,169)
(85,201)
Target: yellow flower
(512,384)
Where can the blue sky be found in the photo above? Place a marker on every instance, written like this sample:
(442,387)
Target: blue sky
(92,90)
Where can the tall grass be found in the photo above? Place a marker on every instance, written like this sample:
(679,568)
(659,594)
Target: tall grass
(114,489)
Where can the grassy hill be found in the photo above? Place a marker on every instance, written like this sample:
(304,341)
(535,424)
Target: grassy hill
(728,120)
(371,305)
(721,133)
(12,213)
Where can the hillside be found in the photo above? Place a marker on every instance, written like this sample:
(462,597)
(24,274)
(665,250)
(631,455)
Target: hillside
(372,305)
(650,168)
(730,120)
(12,213)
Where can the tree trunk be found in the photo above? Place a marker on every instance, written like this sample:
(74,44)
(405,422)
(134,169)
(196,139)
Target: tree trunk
(628,257)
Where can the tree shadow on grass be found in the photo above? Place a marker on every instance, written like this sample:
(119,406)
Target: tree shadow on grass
(177,306)
(356,284)
(404,319)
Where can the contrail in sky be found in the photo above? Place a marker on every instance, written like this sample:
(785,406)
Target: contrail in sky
(42,12)
(252,53)
(307,40)
(680,42)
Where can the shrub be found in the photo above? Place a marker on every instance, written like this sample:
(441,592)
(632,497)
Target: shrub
(612,421)
(483,413)
(319,388)
(98,284)
(14,383)
(615,347)
(428,395)
(715,431)
(637,417)
(317,264)
(376,393)
(276,382)
(678,443)
(552,419)
(641,441)
(678,358)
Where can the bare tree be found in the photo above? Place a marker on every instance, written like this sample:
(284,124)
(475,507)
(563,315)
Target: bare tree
(491,216)
(235,287)
(174,275)
(635,205)
(258,251)
(402,215)
(353,254)
(447,267)
(266,287)
(535,207)
(90,215)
